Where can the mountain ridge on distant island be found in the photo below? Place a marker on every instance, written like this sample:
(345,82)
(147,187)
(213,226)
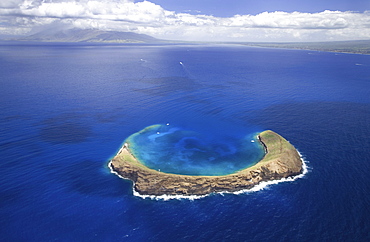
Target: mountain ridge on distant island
(88,35)
(76,35)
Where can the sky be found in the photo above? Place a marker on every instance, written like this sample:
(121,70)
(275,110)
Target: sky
(196,20)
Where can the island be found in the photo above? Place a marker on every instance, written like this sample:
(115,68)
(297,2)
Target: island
(281,160)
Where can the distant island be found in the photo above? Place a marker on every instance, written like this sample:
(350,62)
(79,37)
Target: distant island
(76,35)
(353,46)
(88,36)
(281,160)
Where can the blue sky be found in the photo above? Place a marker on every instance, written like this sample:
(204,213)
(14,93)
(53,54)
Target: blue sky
(196,20)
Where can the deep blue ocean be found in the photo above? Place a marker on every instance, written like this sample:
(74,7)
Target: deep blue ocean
(67,109)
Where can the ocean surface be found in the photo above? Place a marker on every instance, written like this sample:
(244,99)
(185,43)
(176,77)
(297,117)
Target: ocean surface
(67,109)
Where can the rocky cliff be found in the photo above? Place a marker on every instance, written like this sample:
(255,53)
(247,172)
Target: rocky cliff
(281,160)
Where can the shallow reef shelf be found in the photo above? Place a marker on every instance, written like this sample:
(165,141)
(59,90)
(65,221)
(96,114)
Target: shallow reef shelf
(180,151)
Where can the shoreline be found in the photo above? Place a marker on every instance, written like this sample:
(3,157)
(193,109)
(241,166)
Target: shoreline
(259,187)
(280,162)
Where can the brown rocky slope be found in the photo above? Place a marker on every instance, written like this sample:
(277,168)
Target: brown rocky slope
(280,161)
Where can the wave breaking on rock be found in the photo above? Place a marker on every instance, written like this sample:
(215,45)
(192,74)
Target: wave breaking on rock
(282,162)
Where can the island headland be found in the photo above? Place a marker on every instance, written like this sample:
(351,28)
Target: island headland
(281,160)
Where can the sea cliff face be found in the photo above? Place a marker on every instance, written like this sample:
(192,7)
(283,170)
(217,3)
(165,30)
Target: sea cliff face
(281,160)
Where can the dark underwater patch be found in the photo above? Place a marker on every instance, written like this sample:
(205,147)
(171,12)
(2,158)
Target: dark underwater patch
(66,133)
(214,111)
(109,117)
(66,128)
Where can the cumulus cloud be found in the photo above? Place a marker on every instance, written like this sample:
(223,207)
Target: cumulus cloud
(10,3)
(295,20)
(149,18)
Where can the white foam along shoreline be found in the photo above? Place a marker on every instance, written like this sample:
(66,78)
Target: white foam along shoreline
(261,186)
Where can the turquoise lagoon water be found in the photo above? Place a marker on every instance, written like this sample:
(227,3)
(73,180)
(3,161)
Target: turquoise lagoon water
(174,150)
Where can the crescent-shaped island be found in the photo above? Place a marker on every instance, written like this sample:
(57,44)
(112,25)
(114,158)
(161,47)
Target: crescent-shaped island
(281,160)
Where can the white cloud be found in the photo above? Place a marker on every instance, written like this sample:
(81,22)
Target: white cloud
(295,20)
(149,18)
